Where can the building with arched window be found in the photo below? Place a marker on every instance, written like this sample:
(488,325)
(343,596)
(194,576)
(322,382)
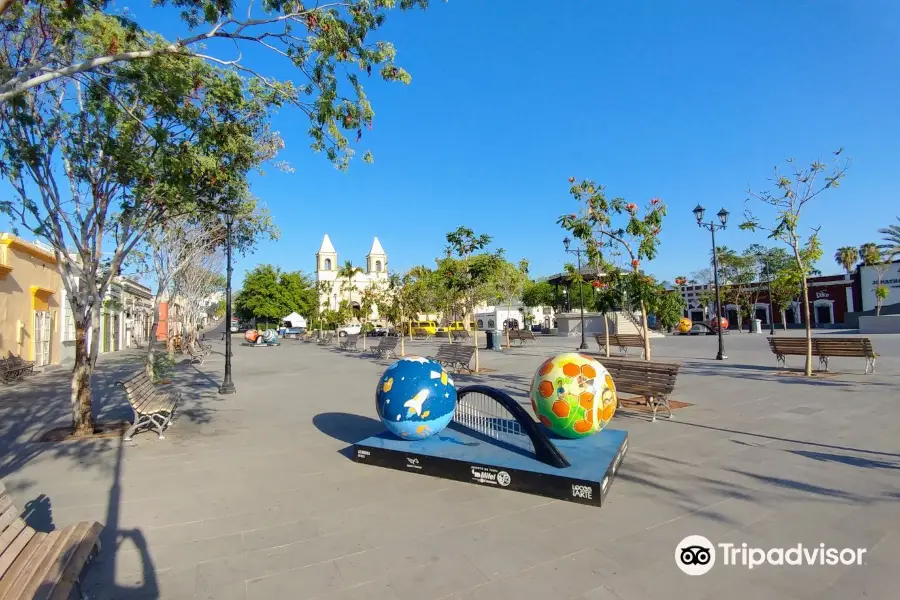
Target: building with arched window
(334,289)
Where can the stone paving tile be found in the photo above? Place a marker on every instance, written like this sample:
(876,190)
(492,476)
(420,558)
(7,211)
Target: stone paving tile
(439,578)
(255,500)
(297,584)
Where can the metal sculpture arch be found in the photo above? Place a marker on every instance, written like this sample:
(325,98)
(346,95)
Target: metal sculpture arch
(495,414)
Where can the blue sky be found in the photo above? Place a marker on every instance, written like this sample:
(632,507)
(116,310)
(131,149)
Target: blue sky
(509,99)
(687,101)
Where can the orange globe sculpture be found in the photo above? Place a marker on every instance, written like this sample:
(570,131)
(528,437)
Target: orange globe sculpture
(250,335)
(714,323)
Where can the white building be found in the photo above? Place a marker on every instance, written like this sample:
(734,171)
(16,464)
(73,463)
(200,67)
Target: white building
(337,289)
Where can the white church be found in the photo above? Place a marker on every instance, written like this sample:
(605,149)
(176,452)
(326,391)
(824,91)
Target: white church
(374,274)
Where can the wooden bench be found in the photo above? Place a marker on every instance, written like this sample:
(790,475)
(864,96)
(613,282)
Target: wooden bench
(326,340)
(824,348)
(523,336)
(457,356)
(42,566)
(420,334)
(386,347)
(652,380)
(623,341)
(10,371)
(197,354)
(349,342)
(152,407)
(27,366)
(460,335)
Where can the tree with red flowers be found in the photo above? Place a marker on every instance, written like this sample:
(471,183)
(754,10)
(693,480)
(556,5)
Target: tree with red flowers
(614,226)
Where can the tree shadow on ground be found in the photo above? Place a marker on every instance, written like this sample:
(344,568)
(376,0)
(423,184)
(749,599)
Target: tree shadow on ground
(782,439)
(852,461)
(40,403)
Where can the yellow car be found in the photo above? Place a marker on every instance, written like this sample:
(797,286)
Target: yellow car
(430,327)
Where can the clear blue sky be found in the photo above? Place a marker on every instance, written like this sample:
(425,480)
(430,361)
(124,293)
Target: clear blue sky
(688,101)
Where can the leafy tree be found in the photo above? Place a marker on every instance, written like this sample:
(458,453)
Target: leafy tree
(97,162)
(298,294)
(260,297)
(668,306)
(538,293)
(613,225)
(329,45)
(468,278)
(508,281)
(871,255)
(789,196)
(891,246)
(785,289)
(846,257)
(738,272)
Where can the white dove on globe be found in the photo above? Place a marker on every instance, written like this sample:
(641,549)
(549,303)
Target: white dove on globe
(415,403)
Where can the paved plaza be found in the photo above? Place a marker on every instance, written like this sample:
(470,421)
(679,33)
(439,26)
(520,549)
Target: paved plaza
(253,496)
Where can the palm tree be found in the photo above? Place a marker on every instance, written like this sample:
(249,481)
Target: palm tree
(891,237)
(348,272)
(847,257)
(870,254)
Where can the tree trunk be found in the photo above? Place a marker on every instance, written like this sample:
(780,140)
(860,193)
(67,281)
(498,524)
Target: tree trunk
(152,341)
(646,329)
(82,410)
(808,369)
(402,350)
(508,311)
(362,332)
(475,339)
(606,330)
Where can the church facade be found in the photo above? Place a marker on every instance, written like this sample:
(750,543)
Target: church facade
(334,288)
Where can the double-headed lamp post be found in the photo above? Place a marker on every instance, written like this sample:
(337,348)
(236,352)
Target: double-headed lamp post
(577,252)
(712,226)
(227,386)
(765,261)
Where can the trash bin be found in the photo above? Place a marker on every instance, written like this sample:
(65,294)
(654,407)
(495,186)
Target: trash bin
(490,339)
(499,337)
(756,326)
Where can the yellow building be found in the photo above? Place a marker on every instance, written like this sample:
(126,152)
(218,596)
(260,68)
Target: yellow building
(30,293)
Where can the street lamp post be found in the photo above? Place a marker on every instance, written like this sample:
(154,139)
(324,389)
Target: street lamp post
(765,261)
(227,386)
(712,226)
(577,252)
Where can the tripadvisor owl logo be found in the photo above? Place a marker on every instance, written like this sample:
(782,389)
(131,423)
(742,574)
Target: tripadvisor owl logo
(695,555)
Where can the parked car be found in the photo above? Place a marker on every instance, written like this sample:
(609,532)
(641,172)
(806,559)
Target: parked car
(349,330)
(378,331)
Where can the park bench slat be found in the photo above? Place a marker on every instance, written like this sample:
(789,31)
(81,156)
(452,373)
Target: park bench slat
(152,407)
(21,564)
(42,566)
(65,569)
(824,348)
(622,341)
(55,542)
(386,346)
(653,380)
(10,556)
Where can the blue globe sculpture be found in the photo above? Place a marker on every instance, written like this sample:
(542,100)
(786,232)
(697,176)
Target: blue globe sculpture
(415,398)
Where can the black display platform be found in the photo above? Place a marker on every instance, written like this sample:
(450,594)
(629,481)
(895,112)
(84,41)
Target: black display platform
(260,345)
(463,455)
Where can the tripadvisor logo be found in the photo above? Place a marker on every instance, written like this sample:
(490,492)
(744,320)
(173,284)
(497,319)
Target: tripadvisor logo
(696,555)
